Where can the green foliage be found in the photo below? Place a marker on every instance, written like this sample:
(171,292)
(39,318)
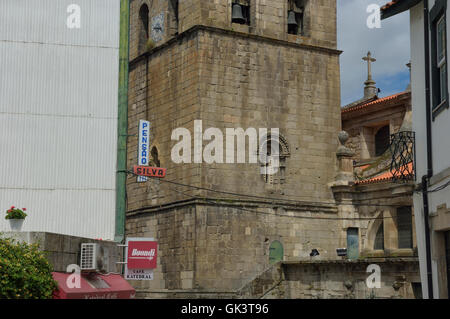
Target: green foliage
(15,213)
(25,272)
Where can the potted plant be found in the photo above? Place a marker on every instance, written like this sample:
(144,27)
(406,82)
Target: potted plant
(16,217)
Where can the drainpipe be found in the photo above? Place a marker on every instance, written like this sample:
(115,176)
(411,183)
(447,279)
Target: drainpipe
(429,174)
(122,132)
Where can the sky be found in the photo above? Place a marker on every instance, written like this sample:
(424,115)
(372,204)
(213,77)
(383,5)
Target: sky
(389,44)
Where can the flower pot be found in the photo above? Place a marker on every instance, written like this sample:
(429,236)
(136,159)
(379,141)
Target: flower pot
(16,224)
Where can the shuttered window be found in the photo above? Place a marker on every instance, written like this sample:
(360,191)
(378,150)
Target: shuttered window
(404,226)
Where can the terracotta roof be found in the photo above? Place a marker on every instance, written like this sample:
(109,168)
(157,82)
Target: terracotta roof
(384,177)
(397,96)
(390,4)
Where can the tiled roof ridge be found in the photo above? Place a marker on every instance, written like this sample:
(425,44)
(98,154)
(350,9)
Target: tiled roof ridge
(382,177)
(378,101)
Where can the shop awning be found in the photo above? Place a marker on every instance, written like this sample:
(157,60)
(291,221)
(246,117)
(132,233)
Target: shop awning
(92,286)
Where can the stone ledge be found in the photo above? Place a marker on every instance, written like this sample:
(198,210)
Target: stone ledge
(235,33)
(206,201)
(357,261)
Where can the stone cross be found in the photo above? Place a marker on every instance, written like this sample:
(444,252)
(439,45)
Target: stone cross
(369,60)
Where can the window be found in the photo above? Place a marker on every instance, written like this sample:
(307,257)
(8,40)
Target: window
(275,168)
(143,28)
(155,157)
(379,238)
(295,17)
(382,140)
(352,243)
(241,12)
(404,226)
(441,60)
(439,57)
(173,18)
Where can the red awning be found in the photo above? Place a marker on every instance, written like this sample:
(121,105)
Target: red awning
(94,286)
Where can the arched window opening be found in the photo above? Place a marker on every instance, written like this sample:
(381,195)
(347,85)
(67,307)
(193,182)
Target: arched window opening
(240,12)
(296,9)
(382,140)
(155,157)
(276,252)
(144,31)
(274,170)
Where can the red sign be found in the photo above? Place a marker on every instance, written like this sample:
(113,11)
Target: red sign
(150,171)
(142,254)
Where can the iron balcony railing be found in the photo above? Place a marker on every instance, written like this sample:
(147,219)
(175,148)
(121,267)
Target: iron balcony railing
(402,147)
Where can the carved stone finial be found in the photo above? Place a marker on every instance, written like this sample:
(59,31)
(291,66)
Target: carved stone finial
(342,150)
(343,137)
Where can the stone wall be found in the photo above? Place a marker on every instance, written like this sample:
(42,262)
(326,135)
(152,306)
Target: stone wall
(235,76)
(64,250)
(231,81)
(315,279)
(267,18)
(347,280)
(222,247)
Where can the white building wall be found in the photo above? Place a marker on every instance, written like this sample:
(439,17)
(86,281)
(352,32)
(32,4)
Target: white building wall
(419,127)
(58,115)
(440,141)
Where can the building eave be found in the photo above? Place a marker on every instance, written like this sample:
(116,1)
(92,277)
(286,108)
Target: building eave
(396,7)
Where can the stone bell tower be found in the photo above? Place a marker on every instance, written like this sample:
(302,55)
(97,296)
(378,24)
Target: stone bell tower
(233,64)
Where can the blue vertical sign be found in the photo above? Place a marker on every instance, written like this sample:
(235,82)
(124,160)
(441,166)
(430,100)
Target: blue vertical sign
(144,145)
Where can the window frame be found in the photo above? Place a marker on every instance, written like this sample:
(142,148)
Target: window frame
(440,97)
(405,210)
(380,231)
(246,7)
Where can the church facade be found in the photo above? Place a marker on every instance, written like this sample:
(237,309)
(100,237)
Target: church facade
(235,65)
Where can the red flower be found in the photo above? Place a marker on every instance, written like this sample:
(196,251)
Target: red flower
(12,207)
(24,209)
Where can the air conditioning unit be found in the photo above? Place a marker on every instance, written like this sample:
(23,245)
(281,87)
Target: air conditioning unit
(93,258)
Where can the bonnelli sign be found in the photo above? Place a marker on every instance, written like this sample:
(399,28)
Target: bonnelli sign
(142,254)
(141,258)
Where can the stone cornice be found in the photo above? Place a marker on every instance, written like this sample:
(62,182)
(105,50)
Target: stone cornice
(242,35)
(250,205)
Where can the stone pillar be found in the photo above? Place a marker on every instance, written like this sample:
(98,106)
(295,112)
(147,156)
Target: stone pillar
(342,186)
(345,162)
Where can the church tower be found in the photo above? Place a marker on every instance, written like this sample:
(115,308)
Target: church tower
(233,64)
